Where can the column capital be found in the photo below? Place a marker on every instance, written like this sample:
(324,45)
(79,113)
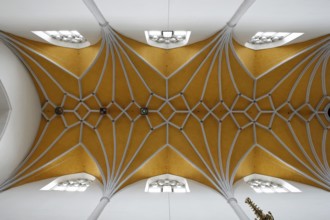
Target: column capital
(232,199)
(105,198)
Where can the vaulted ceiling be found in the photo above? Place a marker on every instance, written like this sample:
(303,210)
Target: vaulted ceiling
(210,105)
(217,111)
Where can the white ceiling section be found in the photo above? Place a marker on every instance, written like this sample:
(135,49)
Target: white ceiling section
(132,18)
(133,203)
(308,17)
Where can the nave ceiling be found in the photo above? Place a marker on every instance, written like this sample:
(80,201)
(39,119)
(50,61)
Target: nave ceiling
(203,102)
(212,111)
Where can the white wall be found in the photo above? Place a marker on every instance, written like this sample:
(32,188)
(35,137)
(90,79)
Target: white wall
(25,116)
(201,203)
(28,202)
(132,203)
(132,17)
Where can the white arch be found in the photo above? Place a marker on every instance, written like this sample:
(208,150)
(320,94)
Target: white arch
(25,116)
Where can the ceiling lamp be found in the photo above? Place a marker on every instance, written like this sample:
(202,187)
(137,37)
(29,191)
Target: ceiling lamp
(265,40)
(167,39)
(64,38)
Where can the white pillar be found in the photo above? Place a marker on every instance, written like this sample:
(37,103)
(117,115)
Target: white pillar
(238,210)
(99,208)
(240,12)
(96,12)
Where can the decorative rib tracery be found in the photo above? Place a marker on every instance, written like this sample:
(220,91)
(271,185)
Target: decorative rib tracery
(230,98)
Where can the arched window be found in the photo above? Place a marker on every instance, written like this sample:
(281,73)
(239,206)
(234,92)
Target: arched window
(167,183)
(267,184)
(64,38)
(265,40)
(78,182)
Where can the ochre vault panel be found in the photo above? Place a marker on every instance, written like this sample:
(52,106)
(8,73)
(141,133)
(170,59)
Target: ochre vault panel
(216,111)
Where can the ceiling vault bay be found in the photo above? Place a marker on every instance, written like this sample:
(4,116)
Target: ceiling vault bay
(217,111)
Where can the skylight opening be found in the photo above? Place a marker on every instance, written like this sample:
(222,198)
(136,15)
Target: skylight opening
(265,40)
(264,184)
(167,39)
(70,183)
(64,38)
(167,184)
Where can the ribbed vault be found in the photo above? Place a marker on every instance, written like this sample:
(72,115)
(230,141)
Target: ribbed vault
(210,94)
(216,111)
